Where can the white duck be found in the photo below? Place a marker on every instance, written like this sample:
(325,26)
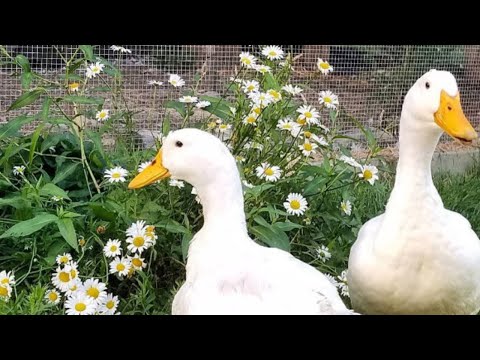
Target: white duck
(418,257)
(227,272)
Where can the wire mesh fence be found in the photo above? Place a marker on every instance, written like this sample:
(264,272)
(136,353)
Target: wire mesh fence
(370,80)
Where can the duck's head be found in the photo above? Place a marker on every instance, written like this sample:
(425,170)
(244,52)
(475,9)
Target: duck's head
(434,102)
(191,155)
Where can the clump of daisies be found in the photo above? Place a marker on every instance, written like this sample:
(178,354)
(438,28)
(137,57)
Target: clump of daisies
(7,281)
(89,297)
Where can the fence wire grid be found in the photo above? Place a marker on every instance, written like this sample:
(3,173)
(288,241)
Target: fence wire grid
(370,80)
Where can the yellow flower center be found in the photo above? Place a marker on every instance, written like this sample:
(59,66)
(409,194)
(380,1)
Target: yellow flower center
(272,53)
(301,121)
(257,110)
(102,115)
(247,61)
(173,82)
(251,87)
(73,273)
(138,241)
(274,93)
(223,126)
(116,175)
(95,69)
(211,124)
(93,292)
(53,296)
(308,114)
(307,146)
(251,119)
(113,248)
(110,304)
(327,99)
(3,291)
(367,174)
(287,126)
(5,281)
(137,262)
(120,267)
(63,260)
(307,134)
(73,288)
(295,204)
(80,307)
(150,228)
(73,86)
(81,242)
(324,65)
(64,277)
(269,171)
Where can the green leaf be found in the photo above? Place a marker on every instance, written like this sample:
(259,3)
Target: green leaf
(287,226)
(271,82)
(187,237)
(70,215)
(315,185)
(219,107)
(272,237)
(74,66)
(67,230)
(23,62)
(30,226)
(15,201)
(261,221)
(166,126)
(177,105)
(49,190)
(34,142)
(172,226)
(83,99)
(87,51)
(26,99)
(26,80)
(101,211)
(257,190)
(45,108)
(13,126)
(64,172)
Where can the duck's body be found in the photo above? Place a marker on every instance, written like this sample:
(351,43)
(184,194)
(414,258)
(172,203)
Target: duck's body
(227,272)
(417,257)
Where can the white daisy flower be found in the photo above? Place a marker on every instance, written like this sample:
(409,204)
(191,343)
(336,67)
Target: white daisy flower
(120,266)
(240,158)
(177,183)
(75,285)
(343,285)
(273,52)
(139,242)
(5,292)
(323,253)
(328,99)
(155,83)
(52,296)
(62,278)
(261,99)
(7,278)
(268,172)
(203,104)
(112,248)
(324,66)
(250,86)
(308,148)
(286,124)
(150,232)
(73,87)
(276,96)
(309,114)
(102,115)
(309,136)
(109,305)
(143,166)
(224,127)
(292,90)
(346,207)
(95,290)
(138,226)
(295,204)
(80,304)
(350,161)
(331,279)
(56,198)
(247,184)
(117,174)
(63,259)
(263,69)
(232,110)
(211,125)
(176,80)
(18,170)
(138,263)
(369,173)
(250,119)
(94,69)
(286,64)
(120,49)
(247,60)
(188,99)
(253,145)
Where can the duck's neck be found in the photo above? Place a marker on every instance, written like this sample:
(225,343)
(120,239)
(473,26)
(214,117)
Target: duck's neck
(414,186)
(222,202)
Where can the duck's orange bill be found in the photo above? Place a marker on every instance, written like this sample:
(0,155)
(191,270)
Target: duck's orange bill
(153,172)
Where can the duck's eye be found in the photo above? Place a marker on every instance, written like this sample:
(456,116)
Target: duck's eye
(449,107)
(179,144)
(427,85)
